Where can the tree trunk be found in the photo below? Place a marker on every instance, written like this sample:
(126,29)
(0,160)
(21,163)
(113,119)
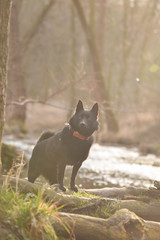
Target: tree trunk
(35,26)
(92,17)
(101,30)
(5,7)
(16,91)
(123,225)
(101,91)
(73,62)
(122,78)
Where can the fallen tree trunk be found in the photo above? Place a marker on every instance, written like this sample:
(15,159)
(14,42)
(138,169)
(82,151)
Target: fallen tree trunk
(126,193)
(123,225)
(99,207)
(49,194)
(104,208)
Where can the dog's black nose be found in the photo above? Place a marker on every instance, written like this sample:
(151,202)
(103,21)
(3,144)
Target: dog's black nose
(83,125)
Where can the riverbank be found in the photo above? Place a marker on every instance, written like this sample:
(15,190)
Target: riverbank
(106,166)
(136,129)
(31,211)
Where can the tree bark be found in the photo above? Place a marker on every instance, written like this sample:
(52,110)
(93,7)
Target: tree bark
(73,61)
(125,193)
(123,225)
(17,90)
(101,30)
(35,26)
(101,91)
(16,81)
(5,7)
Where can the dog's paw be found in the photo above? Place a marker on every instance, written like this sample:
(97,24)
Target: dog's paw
(74,188)
(62,188)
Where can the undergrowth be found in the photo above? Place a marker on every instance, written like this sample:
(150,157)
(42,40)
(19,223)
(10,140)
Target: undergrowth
(30,214)
(85,194)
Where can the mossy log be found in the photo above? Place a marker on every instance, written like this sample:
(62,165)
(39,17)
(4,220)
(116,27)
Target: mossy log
(9,155)
(104,208)
(123,225)
(49,194)
(99,207)
(127,193)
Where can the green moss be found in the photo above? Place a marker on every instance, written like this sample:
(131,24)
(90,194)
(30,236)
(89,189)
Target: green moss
(84,194)
(16,127)
(22,127)
(106,210)
(153,148)
(9,155)
(79,204)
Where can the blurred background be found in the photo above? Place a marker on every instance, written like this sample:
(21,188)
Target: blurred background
(105,51)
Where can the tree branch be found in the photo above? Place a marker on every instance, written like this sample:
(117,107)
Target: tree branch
(38,23)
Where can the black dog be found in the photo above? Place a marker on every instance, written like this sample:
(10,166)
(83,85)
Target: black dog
(69,147)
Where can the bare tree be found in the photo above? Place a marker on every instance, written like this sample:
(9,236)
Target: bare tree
(16,81)
(101,29)
(101,91)
(17,89)
(73,60)
(35,26)
(92,16)
(5,6)
(126,4)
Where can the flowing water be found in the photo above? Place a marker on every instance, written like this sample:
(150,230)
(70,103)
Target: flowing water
(107,166)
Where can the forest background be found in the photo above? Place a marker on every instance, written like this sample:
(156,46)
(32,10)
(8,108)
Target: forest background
(104,51)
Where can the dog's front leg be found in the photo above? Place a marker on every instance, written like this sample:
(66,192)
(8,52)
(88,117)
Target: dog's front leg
(74,173)
(61,169)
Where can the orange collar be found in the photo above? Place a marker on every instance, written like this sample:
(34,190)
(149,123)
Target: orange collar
(78,135)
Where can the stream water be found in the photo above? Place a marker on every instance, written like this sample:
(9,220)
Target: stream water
(107,166)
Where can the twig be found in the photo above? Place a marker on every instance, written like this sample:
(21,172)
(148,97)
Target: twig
(62,89)
(26,101)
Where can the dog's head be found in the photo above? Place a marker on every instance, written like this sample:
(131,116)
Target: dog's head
(85,121)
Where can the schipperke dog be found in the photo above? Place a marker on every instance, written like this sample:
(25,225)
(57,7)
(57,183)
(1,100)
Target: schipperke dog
(69,147)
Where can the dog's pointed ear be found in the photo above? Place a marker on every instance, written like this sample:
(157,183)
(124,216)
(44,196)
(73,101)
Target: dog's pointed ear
(95,109)
(79,106)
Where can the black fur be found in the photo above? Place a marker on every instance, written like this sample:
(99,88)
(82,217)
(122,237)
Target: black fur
(53,152)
